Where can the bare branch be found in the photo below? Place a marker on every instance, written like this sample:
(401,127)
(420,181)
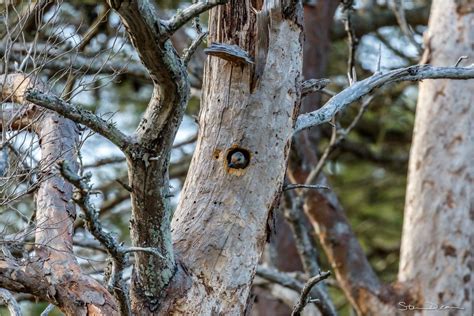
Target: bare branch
(399,11)
(312,85)
(361,88)
(347,9)
(337,137)
(27,277)
(116,251)
(105,161)
(399,52)
(184,16)
(11,303)
(305,186)
(155,135)
(306,248)
(288,281)
(306,291)
(281,278)
(192,49)
(81,116)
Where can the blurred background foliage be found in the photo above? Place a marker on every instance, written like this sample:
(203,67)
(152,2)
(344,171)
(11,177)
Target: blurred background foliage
(368,171)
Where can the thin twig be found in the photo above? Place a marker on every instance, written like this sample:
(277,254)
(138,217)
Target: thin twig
(305,186)
(337,137)
(353,42)
(399,11)
(306,291)
(189,52)
(460,59)
(284,279)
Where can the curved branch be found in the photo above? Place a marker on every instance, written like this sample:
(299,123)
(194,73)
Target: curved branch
(288,281)
(78,115)
(361,88)
(184,16)
(305,292)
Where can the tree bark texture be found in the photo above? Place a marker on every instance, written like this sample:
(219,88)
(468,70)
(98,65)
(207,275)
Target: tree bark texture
(220,225)
(53,274)
(437,243)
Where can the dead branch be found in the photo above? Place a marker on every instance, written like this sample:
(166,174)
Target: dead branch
(304,299)
(288,281)
(361,88)
(115,250)
(366,21)
(399,11)
(81,116)
(155,134)
(54,216)
(189,13)
(305,186)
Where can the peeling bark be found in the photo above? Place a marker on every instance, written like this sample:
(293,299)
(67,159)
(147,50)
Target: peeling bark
(220,225)
(437,243)
(54,274)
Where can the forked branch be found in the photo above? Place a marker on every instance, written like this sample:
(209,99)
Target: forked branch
(361,88)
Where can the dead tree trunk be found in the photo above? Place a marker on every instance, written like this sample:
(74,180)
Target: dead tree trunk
(220,226)
(436,254)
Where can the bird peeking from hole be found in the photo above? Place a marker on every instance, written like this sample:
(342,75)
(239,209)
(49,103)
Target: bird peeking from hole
(238,160)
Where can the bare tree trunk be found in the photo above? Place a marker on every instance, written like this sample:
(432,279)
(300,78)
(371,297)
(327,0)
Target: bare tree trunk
(220,226)
(436,254)
(318,19)
(54,275)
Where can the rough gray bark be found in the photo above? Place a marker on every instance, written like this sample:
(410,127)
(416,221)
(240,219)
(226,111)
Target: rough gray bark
(148,159)
(436,255)
(220,225)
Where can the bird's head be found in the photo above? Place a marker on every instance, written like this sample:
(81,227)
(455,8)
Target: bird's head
(237,160)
